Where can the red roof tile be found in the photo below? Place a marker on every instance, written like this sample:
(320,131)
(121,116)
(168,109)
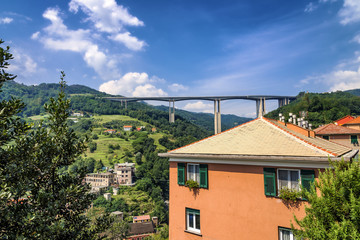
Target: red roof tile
(354,121)
(332,129)
(344,120)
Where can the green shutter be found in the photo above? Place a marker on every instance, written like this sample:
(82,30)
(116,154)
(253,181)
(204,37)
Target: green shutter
(181,173)
(204,175)
(354,139)
(269,182)
(307,178)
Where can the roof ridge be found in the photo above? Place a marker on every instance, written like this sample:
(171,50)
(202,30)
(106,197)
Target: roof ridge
(303,141)
(204,139)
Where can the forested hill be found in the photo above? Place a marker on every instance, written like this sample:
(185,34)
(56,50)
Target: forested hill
(206,120)
(321,108)
(88,100)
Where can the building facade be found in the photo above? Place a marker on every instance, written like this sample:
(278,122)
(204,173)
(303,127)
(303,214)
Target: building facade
(339,134)
(240,173)
(125,173)
(100,179)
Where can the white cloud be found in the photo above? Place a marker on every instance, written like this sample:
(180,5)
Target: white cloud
(106,14)
(344,80)
(148,90)
(350,12)
(35,35)
(129,41)
(199,106)
(6,20)
(57,36)
(132,84)
(176,87)
(22,65)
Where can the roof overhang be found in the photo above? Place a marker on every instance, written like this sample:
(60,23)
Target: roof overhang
(259,160)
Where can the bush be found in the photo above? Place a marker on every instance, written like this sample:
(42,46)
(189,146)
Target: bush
(191,184)
(288,194)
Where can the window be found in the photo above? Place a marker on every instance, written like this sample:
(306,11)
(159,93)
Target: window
(354,140)
(326,137)
(286,234)
(193,172)
(288,179)
(196,172)
(193,220)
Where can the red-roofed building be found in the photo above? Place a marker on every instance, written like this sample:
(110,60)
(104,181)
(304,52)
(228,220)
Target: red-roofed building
(240,173)
(110,131)
(354,124)
(143,218)
(127,128)
(339,134)
(344,120)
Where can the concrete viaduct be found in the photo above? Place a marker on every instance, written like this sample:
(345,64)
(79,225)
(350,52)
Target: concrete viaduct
(259,99)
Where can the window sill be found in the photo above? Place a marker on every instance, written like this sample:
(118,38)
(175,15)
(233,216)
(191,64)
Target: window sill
(195,233)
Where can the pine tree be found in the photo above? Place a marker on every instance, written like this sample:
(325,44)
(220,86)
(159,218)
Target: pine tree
(37,201)
(334,207)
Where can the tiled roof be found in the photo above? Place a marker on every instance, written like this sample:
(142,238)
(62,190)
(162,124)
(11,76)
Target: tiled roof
(141,228)
(332,129)
(354,121)
(143,217)
(263,137)
(344,120)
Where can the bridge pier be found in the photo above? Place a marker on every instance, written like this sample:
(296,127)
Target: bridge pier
(172,112)
(283,101)
(260,107)
(217,117)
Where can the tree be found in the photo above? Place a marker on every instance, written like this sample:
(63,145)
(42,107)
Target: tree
(37,199)
(334,207)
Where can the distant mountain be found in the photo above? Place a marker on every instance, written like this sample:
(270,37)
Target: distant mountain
(355,92)
(206,120)
(321,108)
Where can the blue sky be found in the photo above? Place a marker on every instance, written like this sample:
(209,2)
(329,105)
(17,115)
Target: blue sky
(186,48)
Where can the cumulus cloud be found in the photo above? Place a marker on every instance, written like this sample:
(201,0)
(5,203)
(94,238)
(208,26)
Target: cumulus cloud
(199,106)
(344,80)
(350,12)
(129,41)
(57,36)
(108,17)
(6,20)
(105,14)
(133,84)
(176,87)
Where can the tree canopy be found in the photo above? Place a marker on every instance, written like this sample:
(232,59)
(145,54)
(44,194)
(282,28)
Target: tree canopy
(334,207)
(37,199)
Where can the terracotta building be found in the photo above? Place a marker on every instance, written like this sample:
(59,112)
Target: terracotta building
(343,120)
(354,124)
(339,134)
(240,173)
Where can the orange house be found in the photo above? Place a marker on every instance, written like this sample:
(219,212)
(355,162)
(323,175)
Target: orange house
(240,173)
(354,124)
(343,120)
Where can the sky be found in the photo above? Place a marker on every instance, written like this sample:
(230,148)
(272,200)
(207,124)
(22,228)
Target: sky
(187,48)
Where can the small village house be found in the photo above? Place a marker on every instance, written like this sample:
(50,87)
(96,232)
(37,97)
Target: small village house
(343,120)
(354,124)
(127,128)
(342,135)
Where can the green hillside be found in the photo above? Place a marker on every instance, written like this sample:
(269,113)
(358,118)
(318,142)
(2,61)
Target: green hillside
(321,108)
(206,120)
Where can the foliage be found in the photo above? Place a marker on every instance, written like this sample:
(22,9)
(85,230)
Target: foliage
(334,207)
(92,146)
(117,204)
(36,201)
(288,194)
(321,108)
(119,229)
(191,184)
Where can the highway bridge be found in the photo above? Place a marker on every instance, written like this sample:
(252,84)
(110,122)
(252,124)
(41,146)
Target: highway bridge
(259,99)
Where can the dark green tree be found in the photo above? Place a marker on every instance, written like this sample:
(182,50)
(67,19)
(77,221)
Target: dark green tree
(334,207)
(37,200)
